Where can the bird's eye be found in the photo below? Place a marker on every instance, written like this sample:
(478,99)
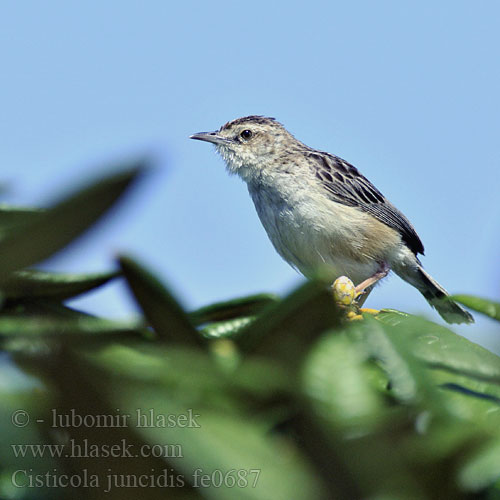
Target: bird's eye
(246,134)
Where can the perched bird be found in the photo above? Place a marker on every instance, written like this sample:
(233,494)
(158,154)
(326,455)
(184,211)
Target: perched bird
(321,214)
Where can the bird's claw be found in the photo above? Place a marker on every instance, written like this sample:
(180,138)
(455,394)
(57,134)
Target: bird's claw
(353,316)
(345,295)
(367,310)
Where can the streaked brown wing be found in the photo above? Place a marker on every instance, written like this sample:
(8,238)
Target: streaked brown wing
(344,184)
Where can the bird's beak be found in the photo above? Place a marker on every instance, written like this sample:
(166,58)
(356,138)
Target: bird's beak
(212,137)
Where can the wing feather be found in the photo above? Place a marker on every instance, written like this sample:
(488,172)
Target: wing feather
(344,184)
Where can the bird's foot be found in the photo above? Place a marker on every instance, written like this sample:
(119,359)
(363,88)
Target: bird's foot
(345,295)
(353,316)
(367,310)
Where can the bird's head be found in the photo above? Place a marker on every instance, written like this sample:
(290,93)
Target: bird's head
(250,144)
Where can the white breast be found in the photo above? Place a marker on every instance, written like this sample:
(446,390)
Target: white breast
(313,233)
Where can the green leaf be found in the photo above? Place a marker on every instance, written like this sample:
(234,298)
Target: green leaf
(389,345)
(15,326)
(191,376)
(11,217)
(484,306)
(80,389)
(51,230)
(227,443)
(161,310)
(287,329)
(227,329)
(41,307)
(482,469)
(60,286)
(476,401)
(161,381)
(442,348)
(360,459)
(336,381)
(467,374)
(26,397)
(380,444)
(221,311)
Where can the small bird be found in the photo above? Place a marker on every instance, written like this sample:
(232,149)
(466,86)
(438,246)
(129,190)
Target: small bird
(321,214)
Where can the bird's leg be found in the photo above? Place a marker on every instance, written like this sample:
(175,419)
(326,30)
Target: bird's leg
(348,296)
(381,272)
(364,288)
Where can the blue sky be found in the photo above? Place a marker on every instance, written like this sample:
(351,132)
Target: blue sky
(406,92)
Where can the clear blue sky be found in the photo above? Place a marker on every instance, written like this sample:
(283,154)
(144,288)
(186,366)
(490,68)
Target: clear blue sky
(408,92)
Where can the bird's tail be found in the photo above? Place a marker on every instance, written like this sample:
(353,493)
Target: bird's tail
(437,297)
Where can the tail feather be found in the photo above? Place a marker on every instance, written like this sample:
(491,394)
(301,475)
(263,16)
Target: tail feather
(438,298)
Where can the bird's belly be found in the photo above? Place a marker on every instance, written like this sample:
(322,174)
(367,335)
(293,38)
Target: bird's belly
(330,240)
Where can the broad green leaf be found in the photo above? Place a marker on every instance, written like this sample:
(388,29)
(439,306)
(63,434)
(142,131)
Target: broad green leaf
(358,425)
(227,444)
(390,345)
(482,469)
(155,385)
(441,440)
(467,374)
(40,284)
(51,230)
(215,433)
(336,381)
(80,390)
(444,349)
(24,407)
(171,367)
(484,306)
(31,327)
(452,456)
(470,399)
(188,375)
(160,308)
(221,311)
(287,329)
(24,401)
(366,462)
